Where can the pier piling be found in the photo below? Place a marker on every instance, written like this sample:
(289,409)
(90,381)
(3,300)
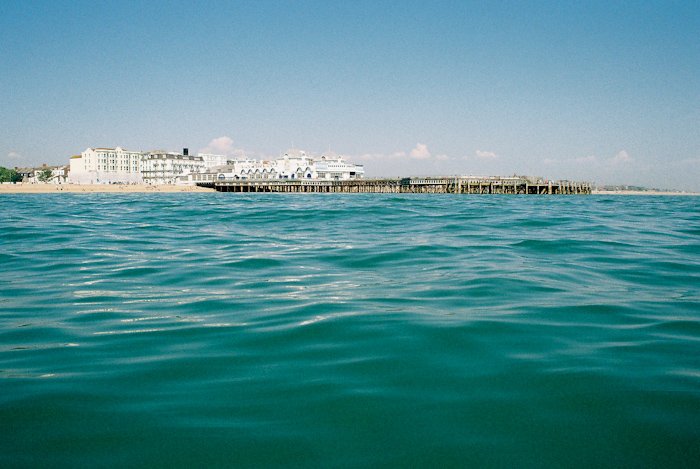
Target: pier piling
(438,185)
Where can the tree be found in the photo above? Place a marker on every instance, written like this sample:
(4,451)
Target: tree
(9,175)
(45,175)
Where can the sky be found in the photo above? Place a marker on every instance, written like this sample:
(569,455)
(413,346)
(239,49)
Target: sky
(599,91)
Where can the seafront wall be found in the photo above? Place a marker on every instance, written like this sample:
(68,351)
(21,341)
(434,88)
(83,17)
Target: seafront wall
(406,186)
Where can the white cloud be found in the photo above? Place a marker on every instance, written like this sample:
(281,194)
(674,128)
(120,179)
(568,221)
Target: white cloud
(586,159)
(622,157)
(420,152)
(486,154)
(686,161)
(549,161)
(375,156)
(223,146)
(13,155)
(365,156)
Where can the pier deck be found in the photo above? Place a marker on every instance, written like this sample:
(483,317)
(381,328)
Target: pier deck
(404,186)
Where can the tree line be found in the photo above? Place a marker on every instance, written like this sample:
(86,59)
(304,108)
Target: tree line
(9,175)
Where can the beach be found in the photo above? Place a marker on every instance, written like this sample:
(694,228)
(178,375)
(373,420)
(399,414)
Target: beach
(79,188)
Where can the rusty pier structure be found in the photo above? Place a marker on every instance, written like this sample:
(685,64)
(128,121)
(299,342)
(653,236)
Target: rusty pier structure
(419,185)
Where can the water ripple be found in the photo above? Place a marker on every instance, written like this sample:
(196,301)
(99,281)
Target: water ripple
(261,330)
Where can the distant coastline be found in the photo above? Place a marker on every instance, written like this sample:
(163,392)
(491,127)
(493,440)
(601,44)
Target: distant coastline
(649,192)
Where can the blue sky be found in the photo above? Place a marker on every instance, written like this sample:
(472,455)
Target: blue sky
(607,92)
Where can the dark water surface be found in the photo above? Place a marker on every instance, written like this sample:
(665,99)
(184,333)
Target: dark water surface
(334,330)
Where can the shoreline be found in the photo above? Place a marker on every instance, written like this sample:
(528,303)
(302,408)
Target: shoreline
(95,188)
(147,188)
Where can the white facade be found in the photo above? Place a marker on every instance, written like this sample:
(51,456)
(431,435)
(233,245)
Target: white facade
(191,179)
(294,164)
(109,160)
(332,166)
(213,160)
(59,174)
(106,166)
(159,167)
(76,164)
(109,166)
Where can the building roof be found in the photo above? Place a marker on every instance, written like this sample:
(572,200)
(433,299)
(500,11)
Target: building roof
(295,153)
(114,149)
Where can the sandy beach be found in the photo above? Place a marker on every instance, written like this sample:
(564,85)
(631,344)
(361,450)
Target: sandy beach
(81,188)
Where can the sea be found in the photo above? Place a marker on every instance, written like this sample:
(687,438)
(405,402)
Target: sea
(186,330)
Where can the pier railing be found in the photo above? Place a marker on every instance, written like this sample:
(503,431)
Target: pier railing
(438,185)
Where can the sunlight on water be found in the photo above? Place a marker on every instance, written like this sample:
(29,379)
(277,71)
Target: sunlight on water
(322,330)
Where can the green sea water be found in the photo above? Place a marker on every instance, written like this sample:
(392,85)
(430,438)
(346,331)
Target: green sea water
(358,330)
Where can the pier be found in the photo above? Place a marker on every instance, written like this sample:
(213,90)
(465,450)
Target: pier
(438,185)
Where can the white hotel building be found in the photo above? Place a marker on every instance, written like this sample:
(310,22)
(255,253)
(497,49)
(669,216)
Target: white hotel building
(106,166)
(160,167)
